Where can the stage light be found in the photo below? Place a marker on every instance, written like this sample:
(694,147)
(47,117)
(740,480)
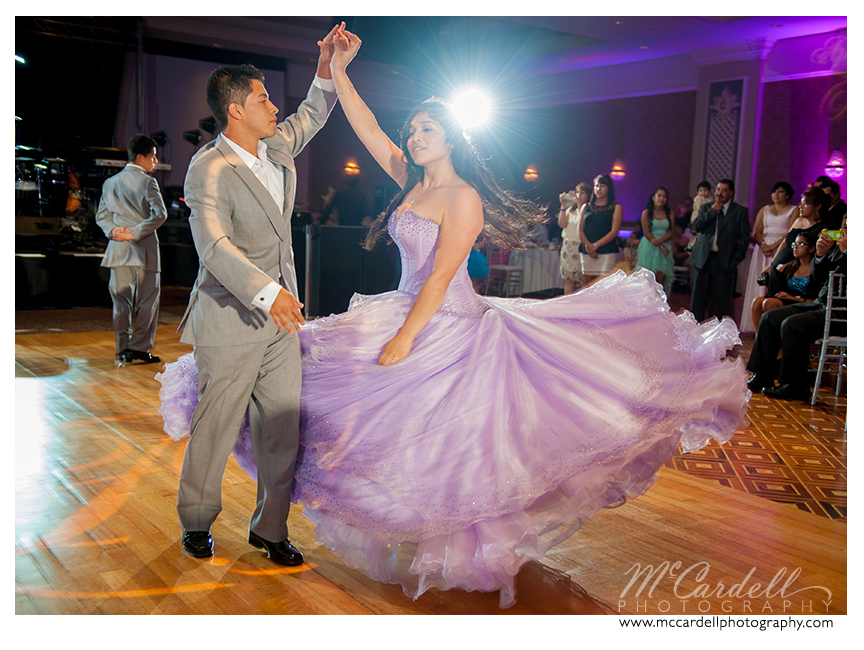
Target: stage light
(472,108)
(160,138)
(193,137)
(209,124)
(19,59)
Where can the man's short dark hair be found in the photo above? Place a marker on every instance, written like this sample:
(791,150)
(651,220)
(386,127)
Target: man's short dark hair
(727,183)
(139,145)
(230,85)
(821,181)
(704,184)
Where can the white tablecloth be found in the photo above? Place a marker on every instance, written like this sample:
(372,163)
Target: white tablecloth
(541,269)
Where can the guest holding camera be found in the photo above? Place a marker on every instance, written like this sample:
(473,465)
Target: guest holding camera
(568,220)
(794,327)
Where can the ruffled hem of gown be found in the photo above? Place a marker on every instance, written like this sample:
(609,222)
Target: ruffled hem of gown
(483,548)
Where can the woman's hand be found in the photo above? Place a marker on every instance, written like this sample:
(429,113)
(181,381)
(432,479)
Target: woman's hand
(346,47)
(396,349)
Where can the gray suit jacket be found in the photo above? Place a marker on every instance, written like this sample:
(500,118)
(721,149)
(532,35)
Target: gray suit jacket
(131,198)
(243,240)
(732,240)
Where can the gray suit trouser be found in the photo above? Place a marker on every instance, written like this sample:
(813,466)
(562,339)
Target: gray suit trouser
(265,377)
(135,294)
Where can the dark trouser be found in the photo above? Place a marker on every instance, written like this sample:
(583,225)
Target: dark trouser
(713,282)
(793,329)
(135,294)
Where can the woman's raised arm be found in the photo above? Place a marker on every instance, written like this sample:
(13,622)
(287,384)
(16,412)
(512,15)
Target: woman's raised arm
(385,152)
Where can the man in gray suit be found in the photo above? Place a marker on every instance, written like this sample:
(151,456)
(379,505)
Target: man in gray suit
(243,311)
(130,211)
(725,237)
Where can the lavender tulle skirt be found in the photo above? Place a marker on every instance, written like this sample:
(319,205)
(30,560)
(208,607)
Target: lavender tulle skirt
(500,434)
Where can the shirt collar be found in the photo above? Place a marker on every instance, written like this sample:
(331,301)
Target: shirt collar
(134,166)
(245,156)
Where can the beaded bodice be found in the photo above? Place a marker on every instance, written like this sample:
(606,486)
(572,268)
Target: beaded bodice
(417,239)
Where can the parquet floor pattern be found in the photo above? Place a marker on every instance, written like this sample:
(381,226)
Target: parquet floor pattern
(790,453)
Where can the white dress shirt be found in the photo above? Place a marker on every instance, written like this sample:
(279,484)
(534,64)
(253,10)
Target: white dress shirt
(271,178)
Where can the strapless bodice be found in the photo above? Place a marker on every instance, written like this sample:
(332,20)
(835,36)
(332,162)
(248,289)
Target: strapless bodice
(417,239)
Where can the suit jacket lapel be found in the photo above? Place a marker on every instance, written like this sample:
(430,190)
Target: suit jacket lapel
(257,188)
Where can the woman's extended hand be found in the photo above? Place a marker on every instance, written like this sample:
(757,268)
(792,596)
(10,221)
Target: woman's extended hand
(347,45)
(396,349)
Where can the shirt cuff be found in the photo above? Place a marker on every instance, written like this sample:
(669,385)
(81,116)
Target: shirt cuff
(265,298)
(325,84)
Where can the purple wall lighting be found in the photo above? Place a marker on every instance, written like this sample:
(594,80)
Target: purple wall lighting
(836,166)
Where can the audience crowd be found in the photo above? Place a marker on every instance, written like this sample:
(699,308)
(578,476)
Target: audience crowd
(792,247)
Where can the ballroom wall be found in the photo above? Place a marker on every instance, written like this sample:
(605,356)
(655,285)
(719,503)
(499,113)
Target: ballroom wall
(802,120)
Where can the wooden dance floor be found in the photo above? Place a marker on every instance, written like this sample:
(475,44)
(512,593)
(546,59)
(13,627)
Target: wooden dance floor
(96,529)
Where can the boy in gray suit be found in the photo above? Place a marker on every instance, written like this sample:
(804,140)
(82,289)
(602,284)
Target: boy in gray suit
(130,211)
(244,308)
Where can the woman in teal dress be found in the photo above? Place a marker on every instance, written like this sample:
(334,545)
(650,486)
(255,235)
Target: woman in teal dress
(655,248)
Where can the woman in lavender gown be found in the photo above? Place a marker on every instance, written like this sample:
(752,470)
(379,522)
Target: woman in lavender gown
(449,438)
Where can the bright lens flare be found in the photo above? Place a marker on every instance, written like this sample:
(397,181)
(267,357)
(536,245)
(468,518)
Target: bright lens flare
(472,108)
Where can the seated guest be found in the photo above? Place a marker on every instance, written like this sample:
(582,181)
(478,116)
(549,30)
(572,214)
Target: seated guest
(680,242)
(812,218)
(683,212)
(630,254)
(478,267)
(793,328)
(837,209)
(792,282)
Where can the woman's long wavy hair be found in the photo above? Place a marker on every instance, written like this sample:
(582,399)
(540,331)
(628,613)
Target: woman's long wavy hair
(650,207)
(507,217)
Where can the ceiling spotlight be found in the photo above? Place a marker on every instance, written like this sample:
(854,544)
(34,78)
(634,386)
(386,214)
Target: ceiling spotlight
(472,108)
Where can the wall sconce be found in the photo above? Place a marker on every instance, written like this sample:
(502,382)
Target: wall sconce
(618,172)
(836,165)
(352,168)
(531,174)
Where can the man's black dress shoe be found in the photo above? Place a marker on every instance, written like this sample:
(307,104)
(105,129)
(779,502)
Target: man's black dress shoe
(788,391)
(198,543)
(146,357)
(280,552)
(757,383)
